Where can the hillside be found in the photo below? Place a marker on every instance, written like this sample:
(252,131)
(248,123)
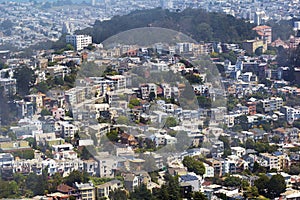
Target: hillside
(196,23)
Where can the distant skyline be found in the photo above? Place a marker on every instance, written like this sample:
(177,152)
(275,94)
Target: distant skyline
(75,1)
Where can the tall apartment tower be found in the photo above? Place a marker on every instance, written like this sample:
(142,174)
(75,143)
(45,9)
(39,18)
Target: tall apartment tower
(93,2)
(79,41)
(66,28)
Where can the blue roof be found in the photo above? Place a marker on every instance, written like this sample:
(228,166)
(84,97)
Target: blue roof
(277,153)
(188,177)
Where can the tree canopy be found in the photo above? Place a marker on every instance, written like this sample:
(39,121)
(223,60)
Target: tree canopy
(197,23)
(194,165)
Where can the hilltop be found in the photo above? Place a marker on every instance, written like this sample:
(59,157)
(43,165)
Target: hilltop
(196,23)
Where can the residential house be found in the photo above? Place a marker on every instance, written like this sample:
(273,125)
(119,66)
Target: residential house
(217,165)
(238,151)
(192,179)
(128,139)
(9,146)
(209,171)
(131,181)
(58,113)
(135,179)
(103,190)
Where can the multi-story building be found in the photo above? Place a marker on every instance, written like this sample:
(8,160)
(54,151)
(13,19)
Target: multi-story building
(119,81)
(147,89)
(75,96)
(272,162)
(67,130)
(79,41)
(272,104)
(9,86)
(90,166)
(86,191)
(238,151)
(252,45)
(167,90)
(184,47)
(20,145)
(291,114)
(283,160)
(99,130)
(107,165)
(192,179)
(37,99)
(6,166)
(295,40)
(58,71)
(265,33)
(24,109)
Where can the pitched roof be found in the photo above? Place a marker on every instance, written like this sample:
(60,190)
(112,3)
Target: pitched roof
(64,188)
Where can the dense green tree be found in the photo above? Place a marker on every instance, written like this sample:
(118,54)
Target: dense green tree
(113,135)
(204,32)
(226,142)
(85,153)
(123,120)
(161,193)
(199,24)
(42,87)
(134,102)
(141,193)
(265,81)
(204,102)
(6,24)
(199,196)
(45,112)
(282,29)
(54,181)
(258,168)
(25,79)
(194,165)
(24,154)
(170,122)
(243,121)
(76,176)
(36,183)
(193,78)
(262,184)
(251,192)
(232,181)
(173,187)
(118,195)
(294,170)
(5,111)
(9,189)
(276,186)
